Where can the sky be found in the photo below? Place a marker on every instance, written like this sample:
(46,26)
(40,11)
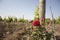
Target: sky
(18,8)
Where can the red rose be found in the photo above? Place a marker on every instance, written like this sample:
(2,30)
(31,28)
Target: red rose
(36,23)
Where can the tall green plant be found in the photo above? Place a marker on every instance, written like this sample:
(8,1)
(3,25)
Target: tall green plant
(5,19)
(9,19)
(36,13)
(15,19)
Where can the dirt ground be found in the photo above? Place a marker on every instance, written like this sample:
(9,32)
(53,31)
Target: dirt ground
(18,31)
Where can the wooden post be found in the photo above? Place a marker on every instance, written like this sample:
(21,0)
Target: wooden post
(42,11)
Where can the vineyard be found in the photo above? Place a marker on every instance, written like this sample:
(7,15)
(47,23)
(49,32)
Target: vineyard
(26,31)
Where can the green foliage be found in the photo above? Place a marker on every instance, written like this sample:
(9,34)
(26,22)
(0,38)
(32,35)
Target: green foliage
(35,18)
(1,18)
(49,36)
(21,20)
(47,21)
(9,19)
(55,21)
(5,19)
(39,33)
(26,21)
(36,13)
(58,20)
(15,19)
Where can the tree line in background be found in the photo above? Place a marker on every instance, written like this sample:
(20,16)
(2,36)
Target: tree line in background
(56,21)
(11,19)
